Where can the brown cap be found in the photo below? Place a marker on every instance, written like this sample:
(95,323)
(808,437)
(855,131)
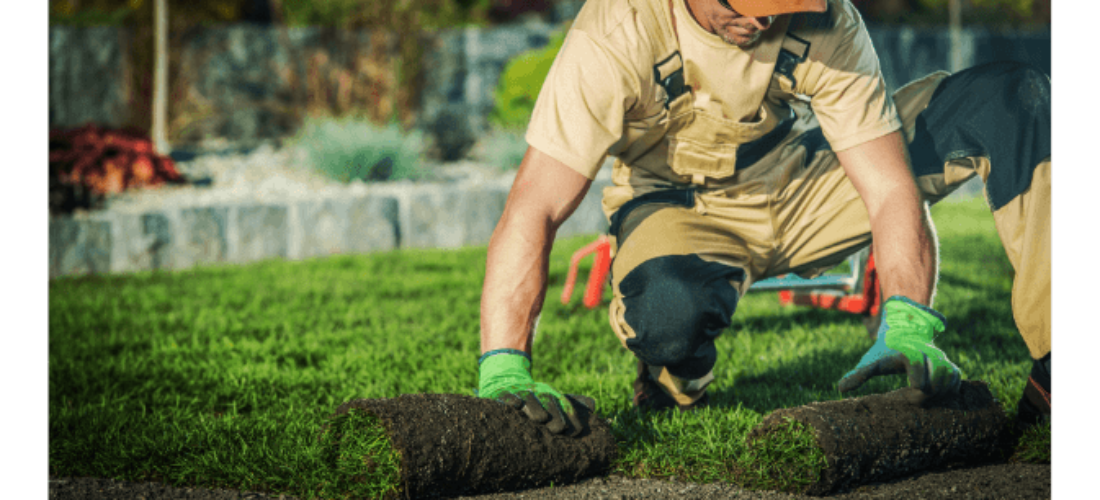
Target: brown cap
(761,8)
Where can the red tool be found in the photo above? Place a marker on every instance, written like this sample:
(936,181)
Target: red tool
(597,278)
(866,303)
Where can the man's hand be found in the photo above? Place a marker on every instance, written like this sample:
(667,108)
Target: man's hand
(904,345)
(505,375)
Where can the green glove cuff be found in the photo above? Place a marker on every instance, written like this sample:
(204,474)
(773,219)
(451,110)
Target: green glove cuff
(902,313)
(500,370)
(911,328)
(503,351)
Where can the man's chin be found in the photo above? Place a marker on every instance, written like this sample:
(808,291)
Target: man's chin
(742,41)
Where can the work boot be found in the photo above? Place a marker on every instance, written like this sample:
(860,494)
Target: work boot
(648,394)
(1034,405)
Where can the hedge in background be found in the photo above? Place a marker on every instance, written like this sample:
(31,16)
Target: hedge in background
(521,82)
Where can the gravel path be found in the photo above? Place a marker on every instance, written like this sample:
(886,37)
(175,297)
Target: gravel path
(1002,481)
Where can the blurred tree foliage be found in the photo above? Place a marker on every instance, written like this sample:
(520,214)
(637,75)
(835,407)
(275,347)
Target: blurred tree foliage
(408,19)
(91,12)
(997,13)
(137,17)
(131,12)
(355,14)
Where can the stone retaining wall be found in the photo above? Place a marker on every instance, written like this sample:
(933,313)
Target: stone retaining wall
(387,217)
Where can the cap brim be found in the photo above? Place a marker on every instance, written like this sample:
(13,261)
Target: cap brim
(761,8)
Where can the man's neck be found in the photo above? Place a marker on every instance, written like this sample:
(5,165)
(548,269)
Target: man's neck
(694,7)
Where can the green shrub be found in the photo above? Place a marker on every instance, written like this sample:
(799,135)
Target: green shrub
(347,149)
(426,14)
(521,82)
(62,14)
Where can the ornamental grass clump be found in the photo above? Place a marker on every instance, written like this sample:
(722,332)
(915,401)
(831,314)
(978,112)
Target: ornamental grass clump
(349,149)
(502,148)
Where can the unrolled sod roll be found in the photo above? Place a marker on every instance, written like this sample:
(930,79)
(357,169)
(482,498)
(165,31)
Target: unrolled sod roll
(451,445)
(883,436)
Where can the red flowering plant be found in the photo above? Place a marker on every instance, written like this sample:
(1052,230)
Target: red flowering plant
(89,162)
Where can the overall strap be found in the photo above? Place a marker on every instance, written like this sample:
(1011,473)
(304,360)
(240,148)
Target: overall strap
(668,64)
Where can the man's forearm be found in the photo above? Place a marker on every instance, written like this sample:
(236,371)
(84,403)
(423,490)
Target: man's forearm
(515,283)
(904,240)
(905,251)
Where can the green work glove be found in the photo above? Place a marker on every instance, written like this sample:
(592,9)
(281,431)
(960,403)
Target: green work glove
(505,375)
(904,345)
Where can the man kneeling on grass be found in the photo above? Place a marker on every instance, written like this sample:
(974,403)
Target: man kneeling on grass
(755,138)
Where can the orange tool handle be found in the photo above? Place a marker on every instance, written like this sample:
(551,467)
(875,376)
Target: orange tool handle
(871,287)
(596,277)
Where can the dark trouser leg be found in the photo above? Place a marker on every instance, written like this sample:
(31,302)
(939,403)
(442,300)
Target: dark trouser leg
(995,121)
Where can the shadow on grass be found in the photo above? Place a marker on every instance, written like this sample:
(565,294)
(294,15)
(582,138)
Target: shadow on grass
(981,331)
(798,317)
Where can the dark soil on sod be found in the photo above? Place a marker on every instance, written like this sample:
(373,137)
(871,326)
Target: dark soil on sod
(884,436)
(452,445)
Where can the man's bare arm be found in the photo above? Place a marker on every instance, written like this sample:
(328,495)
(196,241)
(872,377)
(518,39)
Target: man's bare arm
(904,241)
(544,194)
(905,255)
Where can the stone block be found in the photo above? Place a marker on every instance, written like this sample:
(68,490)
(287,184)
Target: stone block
(449,216)
(346,225)
(484,206)
(323,226)
(588,218)
(79,246)
(142,241)
(433,218)
(261,233)
(157,232)
(372,224)
(202,237)
(87,75)
(565,10)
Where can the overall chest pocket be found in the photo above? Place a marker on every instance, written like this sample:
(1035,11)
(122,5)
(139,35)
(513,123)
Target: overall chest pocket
(703,145)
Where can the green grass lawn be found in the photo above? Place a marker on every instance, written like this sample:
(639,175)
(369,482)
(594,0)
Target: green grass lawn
(223,376)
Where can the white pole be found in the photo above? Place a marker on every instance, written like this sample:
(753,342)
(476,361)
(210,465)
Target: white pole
(954,9)
(160,77)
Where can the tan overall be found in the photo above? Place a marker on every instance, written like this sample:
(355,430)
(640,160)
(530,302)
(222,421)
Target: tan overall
(787,212)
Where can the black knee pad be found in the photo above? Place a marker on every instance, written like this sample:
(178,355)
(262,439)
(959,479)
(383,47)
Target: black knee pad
(677,305)
(1000,110)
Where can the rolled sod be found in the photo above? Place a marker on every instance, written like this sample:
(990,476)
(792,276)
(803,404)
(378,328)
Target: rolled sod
(883,436)
(451,445)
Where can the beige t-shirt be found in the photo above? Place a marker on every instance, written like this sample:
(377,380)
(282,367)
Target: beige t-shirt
(603,96)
